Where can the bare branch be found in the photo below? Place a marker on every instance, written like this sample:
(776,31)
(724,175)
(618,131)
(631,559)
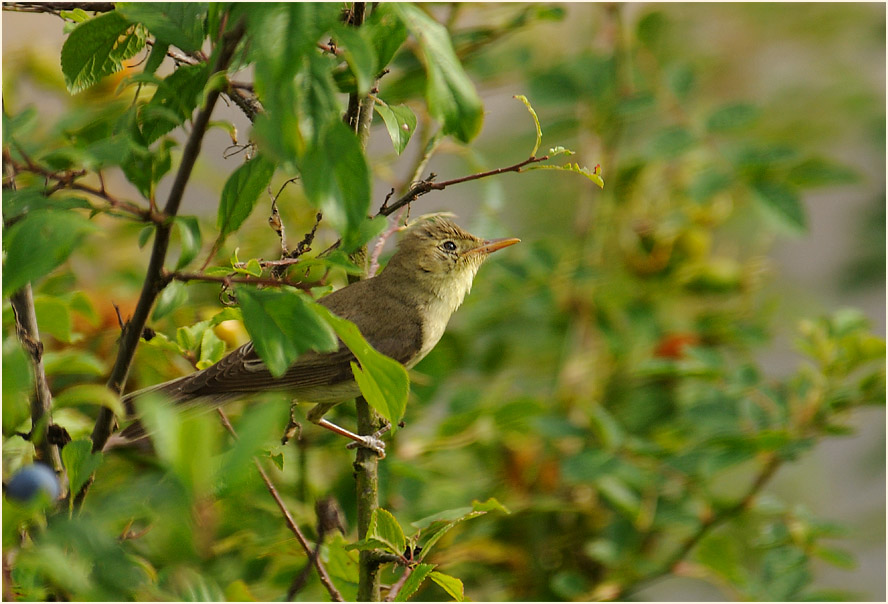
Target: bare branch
(288,518)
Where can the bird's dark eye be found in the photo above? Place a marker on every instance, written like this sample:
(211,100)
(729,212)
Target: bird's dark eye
(449,246)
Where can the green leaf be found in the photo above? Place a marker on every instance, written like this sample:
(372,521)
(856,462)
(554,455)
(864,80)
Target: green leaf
(729,118)
(450,94)
(241,191)
(400,123)
(383,381)
(80,462)
(144,168)
(337,181)
(359,55)
(179,23)
(173,102)
(594,175)
(189,236)
(672,142)
(212,349)
(38,243)
(90,394)
(73,362)
(783,204)
(441,523)
(283,325)
(18,202)
(18,380)
(536,121)
(414,581)
(97,48)
(618,494)
(172,297)
(158,54)
(384,528)
(53,317)
(835,556)
(386,33)
(819,172)
(451,585)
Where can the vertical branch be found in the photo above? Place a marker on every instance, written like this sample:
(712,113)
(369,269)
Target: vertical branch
(367,483)
(358,117)
(41,401)
(155,280)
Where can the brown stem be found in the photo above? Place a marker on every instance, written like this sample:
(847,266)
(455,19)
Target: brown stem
(155,279)
(177,276)
(41,401)
(764,476)
(396,588)
(427,185)
(288,518)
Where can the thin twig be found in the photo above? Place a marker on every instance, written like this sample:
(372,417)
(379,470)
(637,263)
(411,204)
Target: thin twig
(396,588)
(288,518)
(266,281)
(380,243)
(764,476)
(427,185)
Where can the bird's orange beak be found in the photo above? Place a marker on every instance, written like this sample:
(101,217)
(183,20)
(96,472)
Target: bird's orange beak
(492,245)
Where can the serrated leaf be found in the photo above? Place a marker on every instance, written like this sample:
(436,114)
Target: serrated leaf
(414,581)
(594,175)
(97,48)
(80,462)
(450,94)
(189,237)
(385,529)
(451,585)
(90,394)
(400,122)
(172,297)
(366,545)
(38,243)
(179,23)
(536,121)
(383,381)
(241,191)
(283,325)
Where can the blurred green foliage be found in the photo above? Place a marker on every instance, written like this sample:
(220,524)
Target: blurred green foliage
(604,383)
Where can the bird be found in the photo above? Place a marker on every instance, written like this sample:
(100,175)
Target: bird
(402,312)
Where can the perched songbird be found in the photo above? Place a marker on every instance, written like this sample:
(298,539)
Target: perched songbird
(402,312)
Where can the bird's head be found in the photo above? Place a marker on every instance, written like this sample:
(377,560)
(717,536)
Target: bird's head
(438,253)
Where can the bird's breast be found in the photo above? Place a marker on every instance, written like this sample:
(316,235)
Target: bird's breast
(438,310)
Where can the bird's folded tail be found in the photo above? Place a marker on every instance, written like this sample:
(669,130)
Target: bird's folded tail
(136,436)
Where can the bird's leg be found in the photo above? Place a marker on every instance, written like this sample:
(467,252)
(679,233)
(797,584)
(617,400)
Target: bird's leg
(372,442)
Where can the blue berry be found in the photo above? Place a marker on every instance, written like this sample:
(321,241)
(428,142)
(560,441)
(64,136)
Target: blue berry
(32,479)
